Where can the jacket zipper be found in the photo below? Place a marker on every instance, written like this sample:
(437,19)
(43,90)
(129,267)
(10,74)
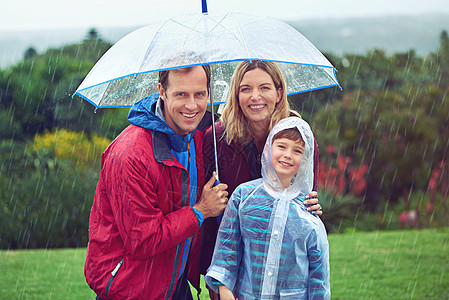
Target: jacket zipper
(113,273)
(174,278)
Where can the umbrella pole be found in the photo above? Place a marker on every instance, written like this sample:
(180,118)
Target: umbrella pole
(217,181)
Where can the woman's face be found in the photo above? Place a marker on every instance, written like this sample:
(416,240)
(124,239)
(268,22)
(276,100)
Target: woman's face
(258,96)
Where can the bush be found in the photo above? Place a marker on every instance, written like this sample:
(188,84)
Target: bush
(346,213)
(340,211)
(46,189)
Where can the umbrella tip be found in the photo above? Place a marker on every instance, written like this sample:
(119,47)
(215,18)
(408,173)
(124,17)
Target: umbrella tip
(204,6)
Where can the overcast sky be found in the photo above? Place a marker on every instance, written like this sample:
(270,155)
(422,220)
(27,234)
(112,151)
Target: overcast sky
(43,14)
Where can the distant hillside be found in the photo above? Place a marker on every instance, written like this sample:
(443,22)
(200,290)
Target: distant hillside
(14,44)
(335,35)
(359,35)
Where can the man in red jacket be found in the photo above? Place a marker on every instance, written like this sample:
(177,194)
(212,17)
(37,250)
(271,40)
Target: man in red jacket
(150,201)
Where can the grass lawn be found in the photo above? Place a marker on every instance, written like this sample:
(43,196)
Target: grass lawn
(364,265)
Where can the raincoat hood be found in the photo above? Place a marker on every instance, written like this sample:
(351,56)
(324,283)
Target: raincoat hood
(142,114)
(302,182)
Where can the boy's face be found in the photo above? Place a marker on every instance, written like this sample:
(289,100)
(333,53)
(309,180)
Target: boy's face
(286,157)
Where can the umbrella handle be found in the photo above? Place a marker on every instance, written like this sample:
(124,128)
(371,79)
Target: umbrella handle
(217,182)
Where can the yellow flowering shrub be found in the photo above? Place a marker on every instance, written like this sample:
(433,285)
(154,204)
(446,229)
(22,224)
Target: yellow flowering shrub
(75,146)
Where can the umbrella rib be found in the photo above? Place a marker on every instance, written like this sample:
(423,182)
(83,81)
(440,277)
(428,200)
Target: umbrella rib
(223,27)
(219,23)
(147,53)
(174,21)
(198,31)
(242,37)
(102,94)
(239,30)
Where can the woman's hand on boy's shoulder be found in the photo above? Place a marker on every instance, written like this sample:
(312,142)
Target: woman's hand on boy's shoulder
(225,293)
(312,204)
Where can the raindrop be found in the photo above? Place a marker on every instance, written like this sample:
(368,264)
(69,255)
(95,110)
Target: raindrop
(345,62)
(442,273)
(382,180)
(405,150)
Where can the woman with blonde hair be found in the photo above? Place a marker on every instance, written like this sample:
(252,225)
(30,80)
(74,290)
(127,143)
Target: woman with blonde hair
(237,127)
(257,101)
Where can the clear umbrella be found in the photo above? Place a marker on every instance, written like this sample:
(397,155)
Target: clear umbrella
(128,71)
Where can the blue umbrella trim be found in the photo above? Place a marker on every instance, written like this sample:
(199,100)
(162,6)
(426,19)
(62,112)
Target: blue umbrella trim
(211,63)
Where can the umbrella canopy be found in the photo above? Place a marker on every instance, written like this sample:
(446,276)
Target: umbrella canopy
(127,72)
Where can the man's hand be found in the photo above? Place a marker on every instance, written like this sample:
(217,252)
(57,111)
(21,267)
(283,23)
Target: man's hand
(213,199)
(312,200)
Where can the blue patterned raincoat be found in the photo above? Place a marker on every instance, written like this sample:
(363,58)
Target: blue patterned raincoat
(268,245)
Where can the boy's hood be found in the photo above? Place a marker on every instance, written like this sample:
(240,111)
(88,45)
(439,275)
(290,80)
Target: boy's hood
(302,182)
(142,114)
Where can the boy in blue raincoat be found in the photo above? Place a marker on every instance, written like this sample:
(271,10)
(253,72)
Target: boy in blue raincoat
(268,245)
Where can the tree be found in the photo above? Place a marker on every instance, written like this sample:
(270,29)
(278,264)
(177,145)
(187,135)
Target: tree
(443,59)
(35,95)
(93,35)
(402,135)
(30,53)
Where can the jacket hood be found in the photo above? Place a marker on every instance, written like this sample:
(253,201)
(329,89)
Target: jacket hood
(302,182)
(142,114)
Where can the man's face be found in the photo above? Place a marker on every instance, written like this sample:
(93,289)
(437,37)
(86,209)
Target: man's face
(185,99)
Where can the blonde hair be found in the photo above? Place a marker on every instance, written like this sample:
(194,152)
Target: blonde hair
(236,126)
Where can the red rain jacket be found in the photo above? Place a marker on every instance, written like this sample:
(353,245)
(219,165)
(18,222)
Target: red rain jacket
(143,218)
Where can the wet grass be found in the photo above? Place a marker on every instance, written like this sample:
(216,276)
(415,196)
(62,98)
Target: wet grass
(390,265)
(43,274)
(411,264)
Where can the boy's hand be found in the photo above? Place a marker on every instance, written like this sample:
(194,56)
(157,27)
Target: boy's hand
(213,199)
(311,203)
